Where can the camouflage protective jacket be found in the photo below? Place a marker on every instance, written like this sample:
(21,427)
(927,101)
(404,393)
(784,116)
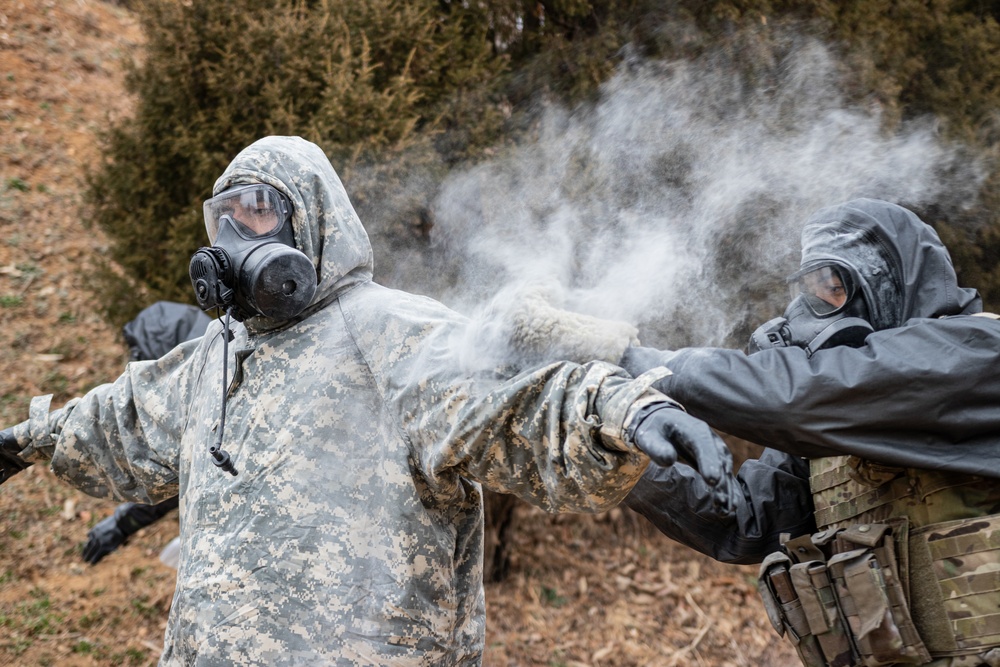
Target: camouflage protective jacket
(353,532)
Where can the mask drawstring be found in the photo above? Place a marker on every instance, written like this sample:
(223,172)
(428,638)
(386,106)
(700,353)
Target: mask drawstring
(219,455)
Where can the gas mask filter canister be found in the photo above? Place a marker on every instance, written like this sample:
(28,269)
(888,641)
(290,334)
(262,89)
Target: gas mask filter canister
(252,264)
(825,311)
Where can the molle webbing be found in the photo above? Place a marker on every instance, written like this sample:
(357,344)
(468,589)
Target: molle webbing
(965,559)
(834,506)
(948,544)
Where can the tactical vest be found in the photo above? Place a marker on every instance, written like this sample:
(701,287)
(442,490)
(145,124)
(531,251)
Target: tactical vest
(905,569)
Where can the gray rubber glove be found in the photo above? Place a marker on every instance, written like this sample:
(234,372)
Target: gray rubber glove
(667,435)
(10,462)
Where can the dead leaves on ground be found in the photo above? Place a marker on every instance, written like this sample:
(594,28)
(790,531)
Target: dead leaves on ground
(611,591)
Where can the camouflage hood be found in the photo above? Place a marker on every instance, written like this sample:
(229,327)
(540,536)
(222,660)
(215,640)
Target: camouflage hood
(326,227)
(906,271)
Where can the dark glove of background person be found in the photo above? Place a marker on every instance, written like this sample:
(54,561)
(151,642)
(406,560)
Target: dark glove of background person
(667,435)
(10,462)
(114,531)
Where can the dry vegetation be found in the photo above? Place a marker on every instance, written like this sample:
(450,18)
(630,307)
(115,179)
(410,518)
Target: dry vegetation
(603,590)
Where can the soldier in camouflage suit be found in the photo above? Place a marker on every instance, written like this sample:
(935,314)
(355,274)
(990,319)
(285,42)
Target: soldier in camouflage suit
(878,521)
(353,531)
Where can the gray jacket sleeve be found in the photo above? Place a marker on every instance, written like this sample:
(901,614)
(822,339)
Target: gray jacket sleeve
(553,434)
(773,498)
(923,395)
(120,440)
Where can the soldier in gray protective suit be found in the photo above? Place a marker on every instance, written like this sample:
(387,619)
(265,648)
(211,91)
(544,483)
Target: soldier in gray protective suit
(342,521)
(877,512)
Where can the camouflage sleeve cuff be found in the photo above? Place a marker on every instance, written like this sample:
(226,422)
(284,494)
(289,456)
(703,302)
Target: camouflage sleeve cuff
(39,433)
(621,409)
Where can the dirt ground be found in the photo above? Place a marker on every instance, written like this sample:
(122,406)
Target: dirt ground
(602,591)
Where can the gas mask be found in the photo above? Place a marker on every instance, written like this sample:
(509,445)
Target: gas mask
(826,310)
(252,265)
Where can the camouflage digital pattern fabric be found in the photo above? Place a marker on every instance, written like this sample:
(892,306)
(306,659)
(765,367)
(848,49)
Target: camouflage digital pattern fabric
(353,533)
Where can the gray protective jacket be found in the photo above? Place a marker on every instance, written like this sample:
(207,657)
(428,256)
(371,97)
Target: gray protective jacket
(925,394)
(353,533)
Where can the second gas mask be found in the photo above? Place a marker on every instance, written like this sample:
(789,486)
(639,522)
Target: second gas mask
(252,264)
(826,310)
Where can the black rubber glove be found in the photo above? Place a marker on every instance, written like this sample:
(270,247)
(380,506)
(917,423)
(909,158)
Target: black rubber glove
(667,435)
(102,539)
(114,531)
(10,462)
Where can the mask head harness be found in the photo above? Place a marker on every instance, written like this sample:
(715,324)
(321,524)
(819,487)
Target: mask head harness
(252,267)
(827,310)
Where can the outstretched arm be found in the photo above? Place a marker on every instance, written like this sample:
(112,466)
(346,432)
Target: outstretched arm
(770,496)
(924,395)
(120,440)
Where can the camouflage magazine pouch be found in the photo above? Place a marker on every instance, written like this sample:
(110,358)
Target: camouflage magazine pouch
(822,609)
(784,609)
(964,559)
(868,586)
(845,610)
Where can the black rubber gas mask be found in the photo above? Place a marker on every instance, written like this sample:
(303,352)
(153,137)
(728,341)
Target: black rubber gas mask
(252,264)
(827,310)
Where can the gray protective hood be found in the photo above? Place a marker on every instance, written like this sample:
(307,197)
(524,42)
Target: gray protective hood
(906,271)
(326,227)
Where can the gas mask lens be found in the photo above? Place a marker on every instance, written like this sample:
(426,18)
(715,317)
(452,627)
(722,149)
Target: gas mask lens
(825,290)
(256,210)
(252,263)
(825,311)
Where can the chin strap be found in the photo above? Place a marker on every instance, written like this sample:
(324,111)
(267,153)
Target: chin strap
(219,455)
